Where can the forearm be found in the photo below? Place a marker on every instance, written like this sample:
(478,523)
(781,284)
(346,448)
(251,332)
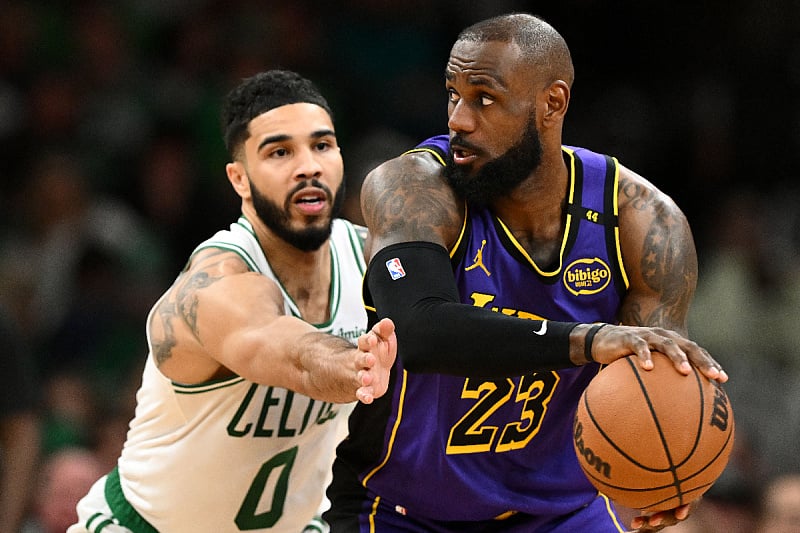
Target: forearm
(288,352)
(328,367)
(437,333)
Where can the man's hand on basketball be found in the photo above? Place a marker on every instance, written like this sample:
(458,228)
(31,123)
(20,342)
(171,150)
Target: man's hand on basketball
(613,342)
(379,349)
(662,519)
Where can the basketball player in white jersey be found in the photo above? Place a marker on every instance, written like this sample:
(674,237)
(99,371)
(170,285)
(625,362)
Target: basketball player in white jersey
(259,349)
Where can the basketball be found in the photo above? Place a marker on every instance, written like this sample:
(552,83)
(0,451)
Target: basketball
(652,440)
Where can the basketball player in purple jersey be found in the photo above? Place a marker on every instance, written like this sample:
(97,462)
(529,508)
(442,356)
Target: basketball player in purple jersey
(475,433)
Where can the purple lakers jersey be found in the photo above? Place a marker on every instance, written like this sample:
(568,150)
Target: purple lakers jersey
(477,449)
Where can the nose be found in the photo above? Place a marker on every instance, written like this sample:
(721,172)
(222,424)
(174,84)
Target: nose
(308,164)
(460,117)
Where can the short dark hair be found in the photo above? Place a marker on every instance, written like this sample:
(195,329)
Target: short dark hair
(539,42)
(261,93)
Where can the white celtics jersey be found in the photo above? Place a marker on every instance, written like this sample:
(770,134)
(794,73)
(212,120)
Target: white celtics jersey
(230,455)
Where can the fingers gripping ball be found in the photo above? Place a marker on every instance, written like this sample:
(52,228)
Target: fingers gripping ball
(652,440)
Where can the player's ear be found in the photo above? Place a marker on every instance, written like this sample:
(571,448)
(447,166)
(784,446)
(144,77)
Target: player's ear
(556,101)
(237,175)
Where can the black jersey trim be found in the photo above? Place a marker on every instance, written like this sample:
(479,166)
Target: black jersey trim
(550,273)
(611,205)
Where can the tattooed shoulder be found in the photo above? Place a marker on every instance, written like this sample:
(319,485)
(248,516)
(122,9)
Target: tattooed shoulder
(178,309)
(659,252)
(635,192)
(409,197)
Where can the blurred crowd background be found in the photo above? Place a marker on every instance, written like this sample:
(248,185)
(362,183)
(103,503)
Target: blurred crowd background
(112,170)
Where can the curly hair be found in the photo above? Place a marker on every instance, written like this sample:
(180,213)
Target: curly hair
(259,94)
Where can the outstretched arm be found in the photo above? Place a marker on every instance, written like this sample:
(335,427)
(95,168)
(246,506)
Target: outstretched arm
(220,319)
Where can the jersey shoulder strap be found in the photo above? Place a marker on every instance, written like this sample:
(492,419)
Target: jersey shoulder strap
(438,145)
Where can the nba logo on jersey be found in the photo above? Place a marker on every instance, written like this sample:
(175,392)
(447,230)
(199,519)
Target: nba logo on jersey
(395,268)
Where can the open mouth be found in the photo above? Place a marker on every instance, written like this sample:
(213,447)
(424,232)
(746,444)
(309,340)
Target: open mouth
(463,153)
(463,156)
(310,202)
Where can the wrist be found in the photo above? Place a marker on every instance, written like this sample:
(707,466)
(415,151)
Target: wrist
(588,341)
(581,340)
(577,339)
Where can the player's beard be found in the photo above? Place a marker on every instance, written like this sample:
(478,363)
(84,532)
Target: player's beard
(277,219)
(500,176)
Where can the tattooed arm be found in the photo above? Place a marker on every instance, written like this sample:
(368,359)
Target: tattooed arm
(659,255)
(407,199)
(219,319)
(661,261)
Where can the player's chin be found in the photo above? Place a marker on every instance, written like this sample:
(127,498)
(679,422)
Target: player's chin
(304,223)
(469,168)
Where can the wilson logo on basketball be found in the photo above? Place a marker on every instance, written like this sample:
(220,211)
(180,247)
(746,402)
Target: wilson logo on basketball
(719,416)
(592,460)
(587,276)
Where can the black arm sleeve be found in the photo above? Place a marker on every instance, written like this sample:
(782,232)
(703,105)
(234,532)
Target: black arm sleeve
(437,333)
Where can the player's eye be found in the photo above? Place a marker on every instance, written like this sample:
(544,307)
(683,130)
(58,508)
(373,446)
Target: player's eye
(453,96)
(279,152)
(486,100)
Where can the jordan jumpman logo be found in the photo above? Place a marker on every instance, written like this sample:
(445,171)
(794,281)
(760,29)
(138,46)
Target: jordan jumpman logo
(478,261)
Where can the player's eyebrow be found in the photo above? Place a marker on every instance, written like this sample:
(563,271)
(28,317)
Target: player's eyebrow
(322,133)
(482,80)
(273,139)
(281,137)
(487,79)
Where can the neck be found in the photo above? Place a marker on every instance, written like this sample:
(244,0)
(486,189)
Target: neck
(305,276)
(538,202)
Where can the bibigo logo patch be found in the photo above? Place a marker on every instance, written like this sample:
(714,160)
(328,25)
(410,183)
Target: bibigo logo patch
(587,276)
